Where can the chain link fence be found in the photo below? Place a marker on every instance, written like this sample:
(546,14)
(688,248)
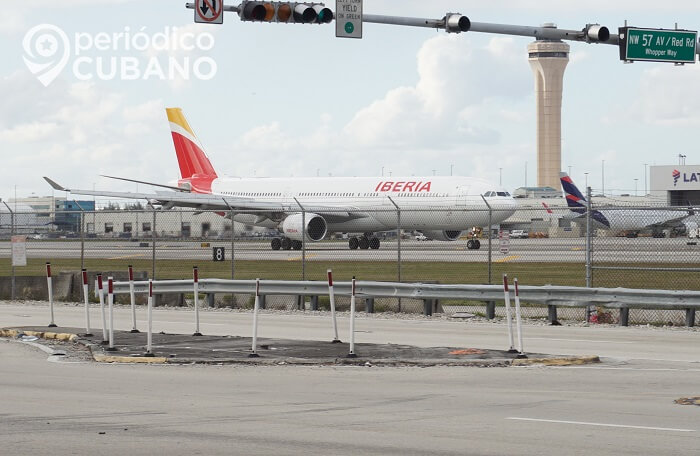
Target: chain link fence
(543,245)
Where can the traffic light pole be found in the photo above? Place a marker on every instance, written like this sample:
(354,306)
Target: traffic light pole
(457,23)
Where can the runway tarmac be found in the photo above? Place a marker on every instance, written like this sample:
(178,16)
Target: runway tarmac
(649,250)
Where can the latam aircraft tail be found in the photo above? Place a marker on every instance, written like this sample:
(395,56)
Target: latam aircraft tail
(195,167)
(574,199)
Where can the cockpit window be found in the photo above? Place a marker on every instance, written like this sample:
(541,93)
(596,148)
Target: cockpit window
(502,193)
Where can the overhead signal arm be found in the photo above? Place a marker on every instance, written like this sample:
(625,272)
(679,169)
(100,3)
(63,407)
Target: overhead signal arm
(317,13)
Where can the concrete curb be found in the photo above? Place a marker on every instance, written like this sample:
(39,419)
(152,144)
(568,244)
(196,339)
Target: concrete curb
(561,361)
(64,337)
(128,359)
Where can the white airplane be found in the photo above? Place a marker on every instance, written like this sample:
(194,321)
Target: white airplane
(440,207)
(631,220)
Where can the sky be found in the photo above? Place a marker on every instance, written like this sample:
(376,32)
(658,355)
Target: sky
(293,100)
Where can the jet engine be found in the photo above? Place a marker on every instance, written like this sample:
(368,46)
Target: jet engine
(315,230)
(449,235)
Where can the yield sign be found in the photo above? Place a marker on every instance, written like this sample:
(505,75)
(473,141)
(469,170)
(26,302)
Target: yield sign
(209,11)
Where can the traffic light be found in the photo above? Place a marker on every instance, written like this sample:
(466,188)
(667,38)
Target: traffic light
(596,33)
(456,23)
(286,12)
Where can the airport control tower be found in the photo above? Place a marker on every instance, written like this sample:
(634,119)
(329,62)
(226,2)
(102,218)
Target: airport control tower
(548,59)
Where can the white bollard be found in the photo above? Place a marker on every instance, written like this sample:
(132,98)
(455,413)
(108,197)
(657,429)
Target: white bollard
(352,322)
(195,274)
(254,353)
(509,318)
(110,303)
(52,324)
(518,320)
(87,304)
(133,300)
(101,295)
(331,295)
(149,334)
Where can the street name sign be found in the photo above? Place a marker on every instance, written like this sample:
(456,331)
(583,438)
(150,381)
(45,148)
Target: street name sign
(658,45)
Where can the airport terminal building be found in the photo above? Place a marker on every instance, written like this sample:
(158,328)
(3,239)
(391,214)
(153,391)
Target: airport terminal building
(678,184)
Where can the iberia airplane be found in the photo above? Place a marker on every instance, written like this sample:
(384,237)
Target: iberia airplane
(310,208)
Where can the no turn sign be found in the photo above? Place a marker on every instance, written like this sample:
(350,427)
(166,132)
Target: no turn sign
(209,11)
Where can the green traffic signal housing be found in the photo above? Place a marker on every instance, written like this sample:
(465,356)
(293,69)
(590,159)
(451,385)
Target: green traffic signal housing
(286,12)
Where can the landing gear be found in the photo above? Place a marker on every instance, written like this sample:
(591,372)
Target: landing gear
(276,244)
(364,242)
(286,244)
(473,244)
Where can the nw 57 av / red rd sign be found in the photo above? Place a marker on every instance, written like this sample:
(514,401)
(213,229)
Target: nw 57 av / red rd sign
(657,45)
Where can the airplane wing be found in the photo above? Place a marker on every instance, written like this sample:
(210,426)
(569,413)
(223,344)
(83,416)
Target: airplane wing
(200,201)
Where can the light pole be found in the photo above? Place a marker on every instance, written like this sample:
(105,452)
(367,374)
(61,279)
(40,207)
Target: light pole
(586,174)
(451,168)
(569,170)
(382,171)
(434,171)
(635,187)
(500,176)
(525,173)
(603,177)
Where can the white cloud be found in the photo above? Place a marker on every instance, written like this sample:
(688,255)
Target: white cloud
(450,115)
(30,132)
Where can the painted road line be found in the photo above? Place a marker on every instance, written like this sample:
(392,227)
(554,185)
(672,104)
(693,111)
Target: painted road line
(582,340)
(124,257)
(585,423)
(308,255)
(506,259)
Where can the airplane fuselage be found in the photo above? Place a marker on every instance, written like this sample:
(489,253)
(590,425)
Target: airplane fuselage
(437,203)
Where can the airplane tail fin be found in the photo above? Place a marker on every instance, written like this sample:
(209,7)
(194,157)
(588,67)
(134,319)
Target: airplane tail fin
(190,153)
(574,198)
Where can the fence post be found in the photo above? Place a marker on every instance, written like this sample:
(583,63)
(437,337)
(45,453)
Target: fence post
(12,230)
(690,317)
(552,315)
(490,310)
(624,316)
(589,276)
(303,240)
(369,305)
(489,233)
(153,254)
(233,248)
(398,246)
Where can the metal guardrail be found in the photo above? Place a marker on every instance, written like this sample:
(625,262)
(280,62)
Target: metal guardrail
(551,296)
